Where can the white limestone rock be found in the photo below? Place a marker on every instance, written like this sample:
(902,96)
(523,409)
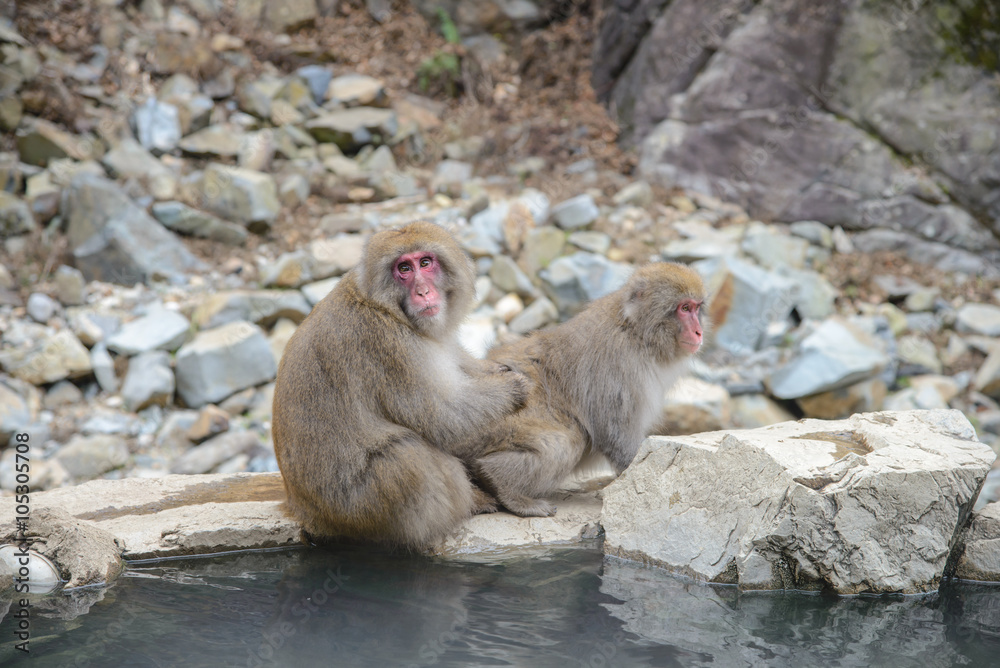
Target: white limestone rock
(868,504)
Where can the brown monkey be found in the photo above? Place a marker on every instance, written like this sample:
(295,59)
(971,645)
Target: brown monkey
(375,401)
(598,385)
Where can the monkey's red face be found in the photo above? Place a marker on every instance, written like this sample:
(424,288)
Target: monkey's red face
(691,333)
(420,274)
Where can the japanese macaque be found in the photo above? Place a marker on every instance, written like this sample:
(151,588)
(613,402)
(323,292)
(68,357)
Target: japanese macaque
(598,385)
(376,404)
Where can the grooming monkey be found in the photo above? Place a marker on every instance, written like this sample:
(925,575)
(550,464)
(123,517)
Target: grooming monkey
(598,384)
(375,401)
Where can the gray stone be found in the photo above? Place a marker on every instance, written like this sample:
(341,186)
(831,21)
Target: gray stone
(575,212)
(450,176)
(980,546)
(157,125)
(15,215)
(836,355)
(222,361)
(160,329)
(64,550)
(333,257)
(575,280)
(130,160)
(70,285)
(317,77)
(53,358)
(104,368)
(314,292)
(213,452)
(812,510)
(289,15)
(981,319)
(215,141)
(114,240)
(92,327)
(261,307)
(290,270)
(484,234)
(61,394)
(538,314)
(917,354)
(863,397)
(594,242)
(241,195)
(830,139)
(41,307)
(507,276)
(149,381)
(756,299)
(350,129)
(354,90)
(40,141)
(14,412)
(86,457)
(942,256)
(183,219)
(693,406)
(542,245)
(750,411)
(813,231)
(294,191)
(255,96)
(637,193)
(772,250)
(256,150)
(815,297)
(987,378)
(921,300)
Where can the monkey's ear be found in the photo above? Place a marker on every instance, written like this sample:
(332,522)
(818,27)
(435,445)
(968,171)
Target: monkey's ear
(634,296)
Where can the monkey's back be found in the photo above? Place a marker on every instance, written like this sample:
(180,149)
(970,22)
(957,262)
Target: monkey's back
(327,390)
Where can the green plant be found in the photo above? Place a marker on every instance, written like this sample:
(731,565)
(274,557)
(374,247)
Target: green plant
(442,72)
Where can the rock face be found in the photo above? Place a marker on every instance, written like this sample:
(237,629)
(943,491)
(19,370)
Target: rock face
(869,504)
(796,124)
(980,551)
(114,240)
(84,554)
(222,361)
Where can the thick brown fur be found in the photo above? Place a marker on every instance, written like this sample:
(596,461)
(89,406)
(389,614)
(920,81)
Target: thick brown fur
(598,385)
(373,409)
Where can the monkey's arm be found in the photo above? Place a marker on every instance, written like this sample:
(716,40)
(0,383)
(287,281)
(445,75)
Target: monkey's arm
(454,414)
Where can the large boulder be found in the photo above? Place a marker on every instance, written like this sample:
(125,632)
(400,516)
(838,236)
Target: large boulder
(113,239)
(851,113)
(871,504)
(979,555)
(222,361)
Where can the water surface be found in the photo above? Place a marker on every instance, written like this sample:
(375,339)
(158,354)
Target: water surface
(363,607)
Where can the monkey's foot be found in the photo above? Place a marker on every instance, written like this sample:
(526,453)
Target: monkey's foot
(482,502)
(528,507)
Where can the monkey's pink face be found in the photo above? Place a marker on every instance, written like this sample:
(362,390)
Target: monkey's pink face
(420,274)
(691,333)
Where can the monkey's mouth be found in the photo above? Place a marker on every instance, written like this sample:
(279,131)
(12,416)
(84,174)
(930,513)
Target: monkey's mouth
(429,311)
(690,346)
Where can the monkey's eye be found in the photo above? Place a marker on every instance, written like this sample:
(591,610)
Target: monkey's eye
(686,308)
(425,262)
(404,267)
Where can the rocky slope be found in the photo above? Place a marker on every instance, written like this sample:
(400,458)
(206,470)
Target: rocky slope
(183,181)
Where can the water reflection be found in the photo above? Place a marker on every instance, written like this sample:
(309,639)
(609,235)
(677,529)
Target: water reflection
(719,626)
(361,607)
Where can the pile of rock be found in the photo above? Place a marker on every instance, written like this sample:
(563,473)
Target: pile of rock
(140,358)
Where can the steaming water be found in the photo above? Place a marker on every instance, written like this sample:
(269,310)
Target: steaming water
(360,607)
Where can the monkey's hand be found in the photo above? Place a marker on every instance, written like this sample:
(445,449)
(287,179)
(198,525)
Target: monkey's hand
(520,386)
